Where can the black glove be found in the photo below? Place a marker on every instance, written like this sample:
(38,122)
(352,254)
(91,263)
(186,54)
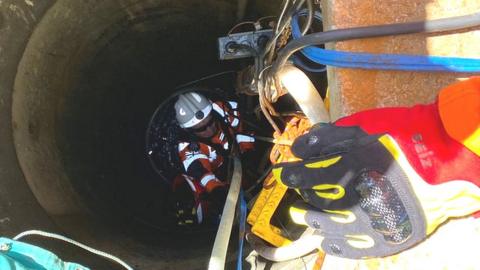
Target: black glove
(184,205)
(186,214)
(357,192)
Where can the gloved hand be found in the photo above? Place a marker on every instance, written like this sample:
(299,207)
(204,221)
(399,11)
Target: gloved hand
(186,213)
(184,204)
(361,192)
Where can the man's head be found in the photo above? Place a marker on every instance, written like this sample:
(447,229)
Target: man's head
(193,112)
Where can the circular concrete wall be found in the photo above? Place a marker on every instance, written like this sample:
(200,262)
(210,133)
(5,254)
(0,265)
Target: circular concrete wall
(79,81)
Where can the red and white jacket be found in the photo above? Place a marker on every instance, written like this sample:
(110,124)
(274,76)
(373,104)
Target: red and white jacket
(202,160)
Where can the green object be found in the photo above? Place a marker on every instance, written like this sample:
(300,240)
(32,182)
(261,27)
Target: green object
(15,255)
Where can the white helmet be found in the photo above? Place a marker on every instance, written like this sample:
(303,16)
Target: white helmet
(191,108)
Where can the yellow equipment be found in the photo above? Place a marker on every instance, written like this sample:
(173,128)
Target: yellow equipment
(273,191)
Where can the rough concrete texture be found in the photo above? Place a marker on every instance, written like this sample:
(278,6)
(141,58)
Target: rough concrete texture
(79,81)
(354,90)
(452,246)
(17,19)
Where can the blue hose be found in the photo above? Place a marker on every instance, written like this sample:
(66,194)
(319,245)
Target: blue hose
(301,64)
(241,233)
(384,61)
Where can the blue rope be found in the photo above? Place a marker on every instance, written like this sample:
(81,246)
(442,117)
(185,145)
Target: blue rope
(384,61)
(241,233)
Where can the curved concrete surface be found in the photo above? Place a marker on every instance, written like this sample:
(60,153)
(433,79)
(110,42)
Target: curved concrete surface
(78,83)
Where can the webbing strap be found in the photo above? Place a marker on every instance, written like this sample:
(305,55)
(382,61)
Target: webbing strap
(219,251)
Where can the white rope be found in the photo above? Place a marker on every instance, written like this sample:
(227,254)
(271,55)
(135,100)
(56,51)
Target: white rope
(73,242)
(281,16)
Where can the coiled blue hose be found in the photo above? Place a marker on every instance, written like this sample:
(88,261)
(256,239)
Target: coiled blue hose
(383,61)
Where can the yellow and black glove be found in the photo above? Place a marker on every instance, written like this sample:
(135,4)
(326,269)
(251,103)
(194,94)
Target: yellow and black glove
(361,193)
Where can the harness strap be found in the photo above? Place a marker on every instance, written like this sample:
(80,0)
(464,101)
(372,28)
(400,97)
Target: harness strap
(219,251)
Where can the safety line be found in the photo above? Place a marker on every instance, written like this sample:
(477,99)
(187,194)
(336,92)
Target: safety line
(219,251)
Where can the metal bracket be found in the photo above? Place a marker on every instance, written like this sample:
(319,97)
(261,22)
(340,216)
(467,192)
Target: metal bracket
(228,46)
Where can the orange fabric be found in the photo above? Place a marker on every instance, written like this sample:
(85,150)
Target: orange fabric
(220,138)
(459,108)
(204,153)
(212,185)
(210,161)
(246,146)
(294,128)
(233,115)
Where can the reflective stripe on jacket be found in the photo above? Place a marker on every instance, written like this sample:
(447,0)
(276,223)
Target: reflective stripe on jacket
(202,161)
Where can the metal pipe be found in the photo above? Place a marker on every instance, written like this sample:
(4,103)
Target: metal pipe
(272,140)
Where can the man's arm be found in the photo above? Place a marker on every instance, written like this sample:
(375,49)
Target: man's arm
(197,162)
(245,140)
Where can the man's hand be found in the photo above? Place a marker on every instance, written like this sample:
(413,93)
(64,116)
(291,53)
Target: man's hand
(363,195)
(185,213)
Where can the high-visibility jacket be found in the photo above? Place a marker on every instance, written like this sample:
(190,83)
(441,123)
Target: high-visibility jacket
(202,160)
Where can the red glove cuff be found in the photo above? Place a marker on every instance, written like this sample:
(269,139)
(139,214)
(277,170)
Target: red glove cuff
(420,133)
